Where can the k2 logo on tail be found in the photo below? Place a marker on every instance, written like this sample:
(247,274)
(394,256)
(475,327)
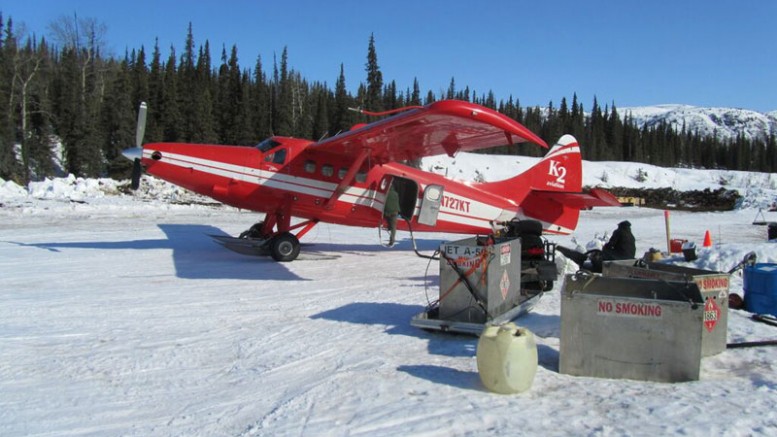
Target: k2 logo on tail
(559,172)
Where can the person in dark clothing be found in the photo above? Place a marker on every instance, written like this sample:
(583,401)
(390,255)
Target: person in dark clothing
(390,212)
(622,245)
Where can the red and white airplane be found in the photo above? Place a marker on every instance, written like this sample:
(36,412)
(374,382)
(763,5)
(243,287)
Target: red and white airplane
(345,179)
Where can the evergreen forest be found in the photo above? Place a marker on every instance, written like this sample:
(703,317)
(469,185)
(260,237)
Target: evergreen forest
(66,90)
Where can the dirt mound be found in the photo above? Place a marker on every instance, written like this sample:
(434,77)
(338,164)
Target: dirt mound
(668,198)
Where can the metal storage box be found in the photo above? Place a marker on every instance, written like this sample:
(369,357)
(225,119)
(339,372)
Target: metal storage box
(714,288)
(479,281)
(631,328)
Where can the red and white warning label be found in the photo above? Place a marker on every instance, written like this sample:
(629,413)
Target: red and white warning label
(647,310)
(504,285)
(504,255)
(711,314)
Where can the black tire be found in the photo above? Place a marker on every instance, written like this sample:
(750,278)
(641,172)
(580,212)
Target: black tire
(284,247)
(597,259)
(254,231)
(519,228)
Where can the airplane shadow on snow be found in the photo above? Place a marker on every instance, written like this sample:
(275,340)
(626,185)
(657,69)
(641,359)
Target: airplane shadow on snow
(195,255)
(396,317)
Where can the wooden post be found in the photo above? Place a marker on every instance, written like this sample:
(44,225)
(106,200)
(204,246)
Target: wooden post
(668,240)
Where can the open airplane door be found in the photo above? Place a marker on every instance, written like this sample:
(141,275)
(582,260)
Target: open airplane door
(430,205)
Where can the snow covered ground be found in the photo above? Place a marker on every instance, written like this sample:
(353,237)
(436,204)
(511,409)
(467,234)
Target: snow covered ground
(119,316)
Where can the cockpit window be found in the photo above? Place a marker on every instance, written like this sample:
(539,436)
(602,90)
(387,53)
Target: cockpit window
(267,144)
(280,156)
(277,157)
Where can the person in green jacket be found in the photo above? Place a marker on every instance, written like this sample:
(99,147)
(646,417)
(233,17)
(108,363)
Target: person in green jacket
(391,211)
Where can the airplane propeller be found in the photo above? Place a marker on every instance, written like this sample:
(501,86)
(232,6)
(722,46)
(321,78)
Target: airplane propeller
(136,152)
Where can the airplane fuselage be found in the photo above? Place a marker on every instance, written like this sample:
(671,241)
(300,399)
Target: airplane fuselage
(282,175)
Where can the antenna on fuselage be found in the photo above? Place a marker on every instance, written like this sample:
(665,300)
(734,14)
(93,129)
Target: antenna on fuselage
(360,110)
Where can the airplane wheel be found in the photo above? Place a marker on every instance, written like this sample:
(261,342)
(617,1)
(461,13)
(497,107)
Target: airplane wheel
(284,247)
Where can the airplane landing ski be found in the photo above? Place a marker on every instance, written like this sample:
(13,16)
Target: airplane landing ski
(243,246)
(259,247)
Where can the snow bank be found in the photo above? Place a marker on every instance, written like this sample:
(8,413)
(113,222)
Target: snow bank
(11,190)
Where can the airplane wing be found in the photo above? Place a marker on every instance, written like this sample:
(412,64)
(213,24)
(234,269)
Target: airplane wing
(447,126)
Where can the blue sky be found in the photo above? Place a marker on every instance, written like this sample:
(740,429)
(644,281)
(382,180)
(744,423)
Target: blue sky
(634,53)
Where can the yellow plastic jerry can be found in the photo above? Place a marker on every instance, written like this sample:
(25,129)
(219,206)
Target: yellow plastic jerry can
(507,358)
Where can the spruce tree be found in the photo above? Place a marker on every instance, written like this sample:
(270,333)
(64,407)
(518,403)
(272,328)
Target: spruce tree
(154,125)
(139,77)
(187,89)
(283,122)
(342,118)
(390,98)
(373,100)
(203,101)
(261,103)
(224,106)
(415,97)
(245,131)
(614,135)
(577,119)
(170,115)
(451,94)
(596,133)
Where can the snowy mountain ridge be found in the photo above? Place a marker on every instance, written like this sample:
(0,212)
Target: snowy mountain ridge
(725,123)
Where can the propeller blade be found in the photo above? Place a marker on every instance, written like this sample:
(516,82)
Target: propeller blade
(141,129)
(136,171)
(135,153)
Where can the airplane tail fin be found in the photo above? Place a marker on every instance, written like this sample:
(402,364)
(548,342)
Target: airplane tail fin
(551,190)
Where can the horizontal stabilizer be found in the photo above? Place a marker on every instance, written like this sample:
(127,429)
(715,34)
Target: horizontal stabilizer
(594,197)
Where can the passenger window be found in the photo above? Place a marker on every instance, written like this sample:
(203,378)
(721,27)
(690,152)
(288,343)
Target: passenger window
(341,173)
(361,177)
(310,166)
(327,170)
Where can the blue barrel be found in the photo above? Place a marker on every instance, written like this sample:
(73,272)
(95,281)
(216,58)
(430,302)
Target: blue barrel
(760,283)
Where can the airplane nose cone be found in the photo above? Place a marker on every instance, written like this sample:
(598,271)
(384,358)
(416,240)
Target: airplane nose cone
(133,153)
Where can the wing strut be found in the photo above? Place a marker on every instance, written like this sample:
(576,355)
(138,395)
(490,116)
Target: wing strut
(365,153)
